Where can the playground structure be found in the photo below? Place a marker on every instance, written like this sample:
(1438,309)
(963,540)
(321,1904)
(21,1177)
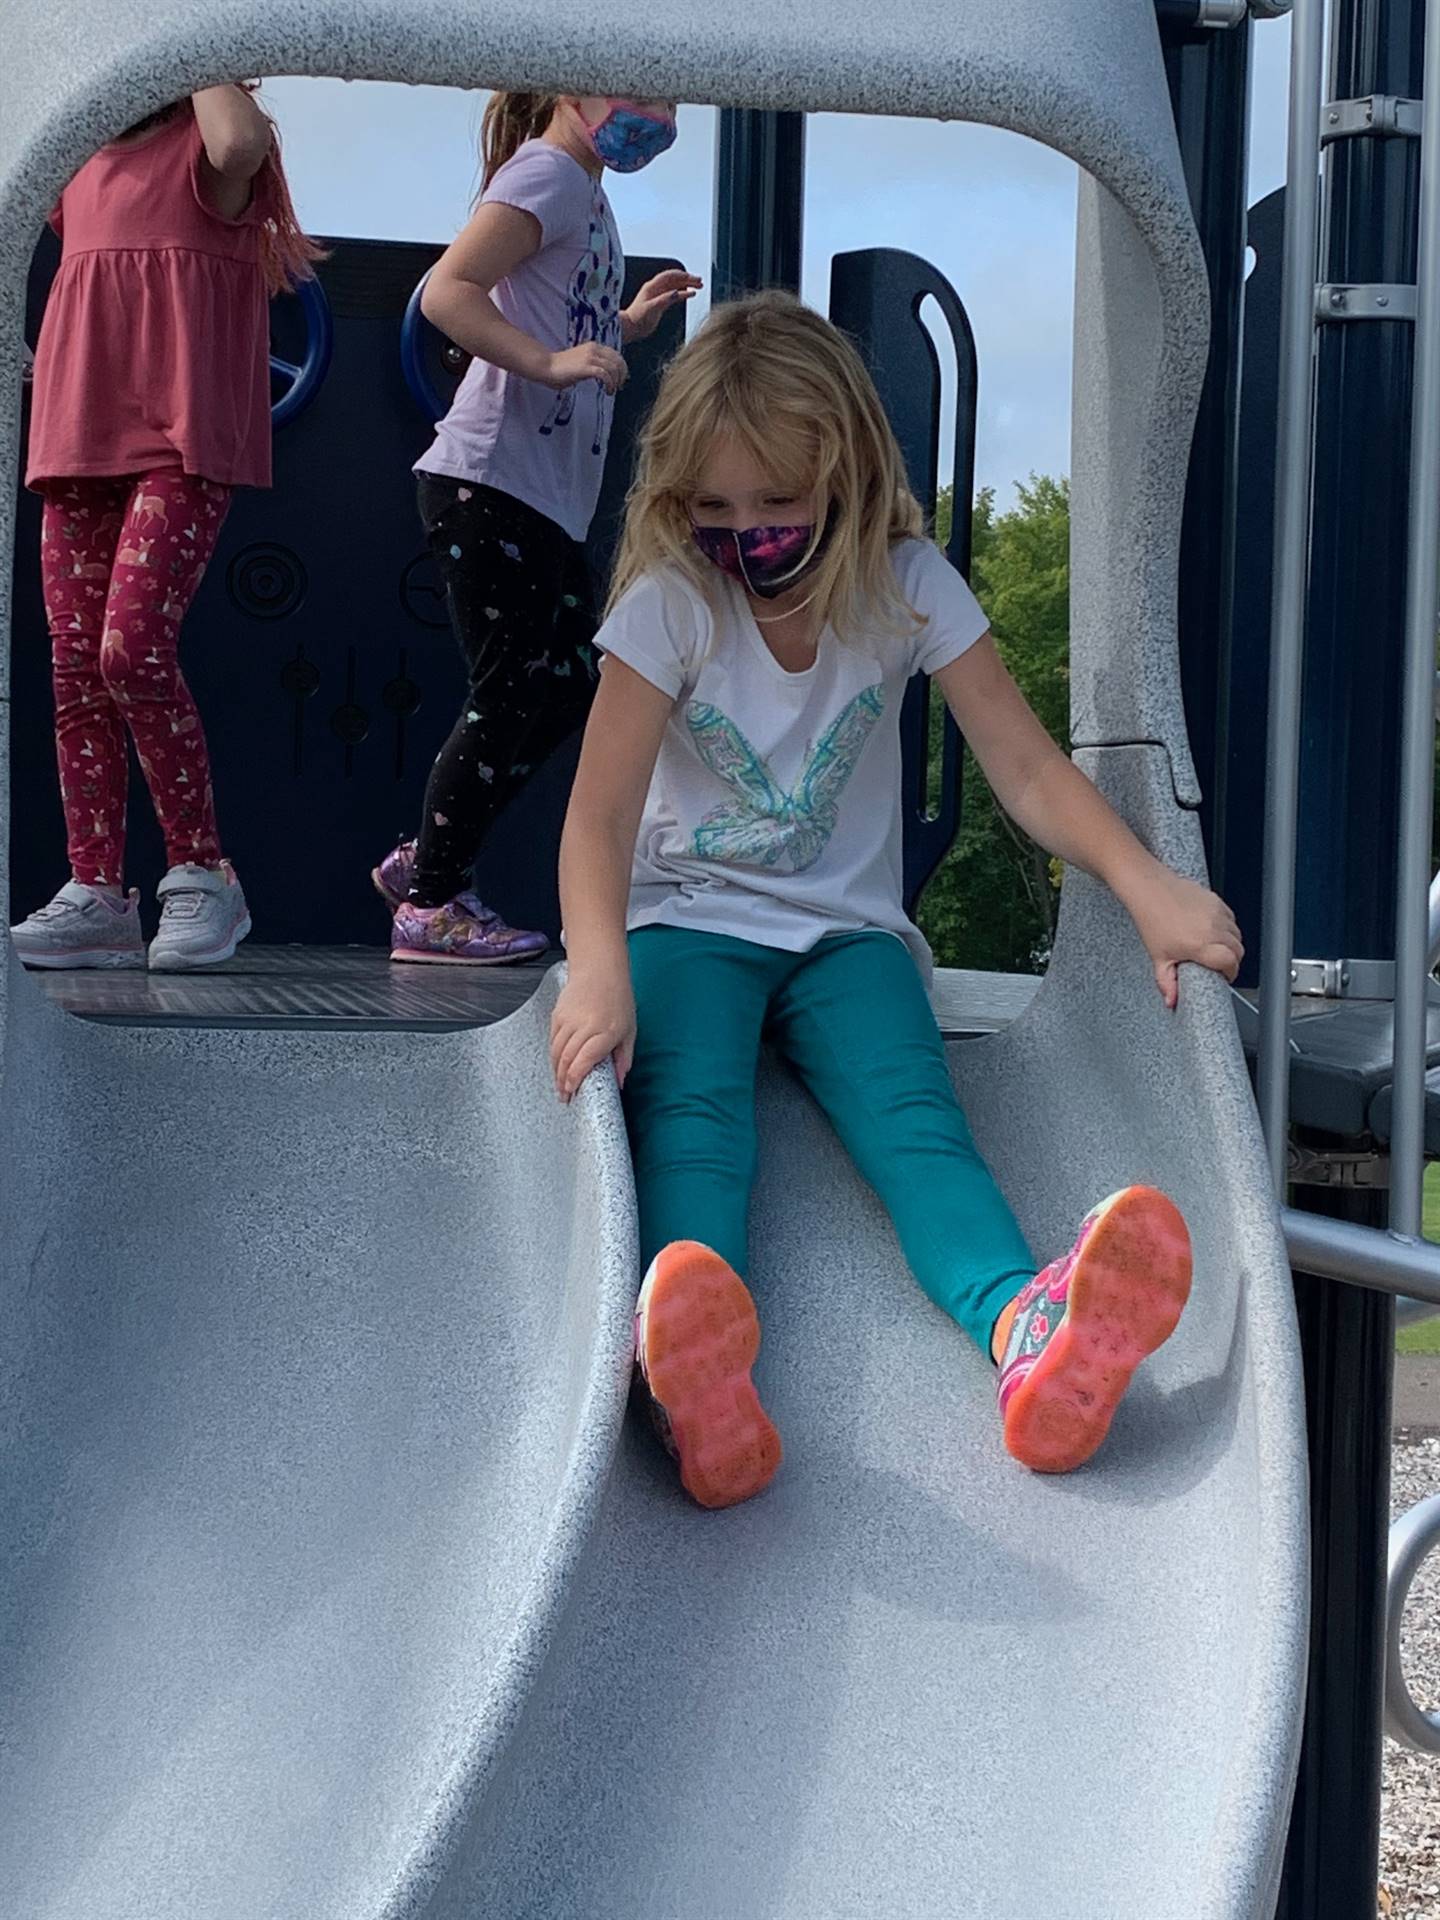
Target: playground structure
(333,1583)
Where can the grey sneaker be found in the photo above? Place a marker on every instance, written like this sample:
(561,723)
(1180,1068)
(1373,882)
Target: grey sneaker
(82,927)
(203,918)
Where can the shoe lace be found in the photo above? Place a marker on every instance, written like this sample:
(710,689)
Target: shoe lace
(185,903)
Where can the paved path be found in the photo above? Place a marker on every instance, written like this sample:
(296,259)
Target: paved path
(1417,1393)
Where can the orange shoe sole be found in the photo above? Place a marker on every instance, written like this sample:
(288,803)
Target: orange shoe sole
(701,1336)
(1128,1288)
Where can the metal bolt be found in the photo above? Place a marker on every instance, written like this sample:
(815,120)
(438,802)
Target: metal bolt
(1337,299)
(1382,299)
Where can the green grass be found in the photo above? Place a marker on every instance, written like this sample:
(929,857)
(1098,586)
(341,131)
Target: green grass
(1426,1337)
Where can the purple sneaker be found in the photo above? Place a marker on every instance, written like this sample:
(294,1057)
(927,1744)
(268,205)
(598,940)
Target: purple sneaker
(393,875)
(464,932)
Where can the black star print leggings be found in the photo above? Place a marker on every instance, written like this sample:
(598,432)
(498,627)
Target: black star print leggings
(520,601)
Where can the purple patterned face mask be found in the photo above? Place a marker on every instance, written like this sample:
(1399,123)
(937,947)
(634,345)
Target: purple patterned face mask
(631,136)
(765,560)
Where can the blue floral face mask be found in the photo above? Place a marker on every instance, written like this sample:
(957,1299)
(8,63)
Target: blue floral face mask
(631,136)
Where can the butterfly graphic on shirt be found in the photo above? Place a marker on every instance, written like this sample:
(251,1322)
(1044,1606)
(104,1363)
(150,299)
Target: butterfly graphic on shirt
(593,313)
(766,826)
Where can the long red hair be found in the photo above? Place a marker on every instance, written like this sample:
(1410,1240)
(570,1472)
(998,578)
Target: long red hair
(287,253)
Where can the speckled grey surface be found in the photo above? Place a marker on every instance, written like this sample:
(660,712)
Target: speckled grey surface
(912,1678)
(317,1602)
(314,1352)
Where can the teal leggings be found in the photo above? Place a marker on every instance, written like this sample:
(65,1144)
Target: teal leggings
(852,1018)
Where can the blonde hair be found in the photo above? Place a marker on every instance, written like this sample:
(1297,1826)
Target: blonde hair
(510,120)
(793,391)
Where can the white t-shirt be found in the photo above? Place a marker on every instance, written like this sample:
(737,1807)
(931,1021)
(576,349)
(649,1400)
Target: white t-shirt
(539,446)
(774,813)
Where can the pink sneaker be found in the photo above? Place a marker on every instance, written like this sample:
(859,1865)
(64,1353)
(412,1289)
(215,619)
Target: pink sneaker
(696,1338)
(1085,1323)
(464,932)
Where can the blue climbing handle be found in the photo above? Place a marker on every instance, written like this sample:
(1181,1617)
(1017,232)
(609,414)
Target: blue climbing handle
(413,330)
(305,380)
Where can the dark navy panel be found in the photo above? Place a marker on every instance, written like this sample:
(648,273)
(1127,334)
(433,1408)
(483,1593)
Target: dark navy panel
(318,648)
(876,296)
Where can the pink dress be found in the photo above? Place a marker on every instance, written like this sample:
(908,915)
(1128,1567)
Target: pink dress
(154,353)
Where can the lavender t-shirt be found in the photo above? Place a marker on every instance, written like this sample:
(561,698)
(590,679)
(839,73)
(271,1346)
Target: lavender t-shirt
(543,447)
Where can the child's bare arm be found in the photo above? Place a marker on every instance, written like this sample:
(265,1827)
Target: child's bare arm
(237,138)
(457,301)
(594,1017)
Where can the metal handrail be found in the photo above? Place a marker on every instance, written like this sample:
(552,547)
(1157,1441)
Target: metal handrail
(1412,1538)
(1363,1256)
(1417,733)
(1294,446)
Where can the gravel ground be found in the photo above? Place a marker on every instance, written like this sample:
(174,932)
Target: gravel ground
(1410,1816)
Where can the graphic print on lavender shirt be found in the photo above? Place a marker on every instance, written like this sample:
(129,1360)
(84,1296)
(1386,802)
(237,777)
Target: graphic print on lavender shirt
(592,313)
(766,826)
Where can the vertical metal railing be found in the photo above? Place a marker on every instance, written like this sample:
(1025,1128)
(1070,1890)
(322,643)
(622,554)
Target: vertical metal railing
(1417,732)
(1295,440)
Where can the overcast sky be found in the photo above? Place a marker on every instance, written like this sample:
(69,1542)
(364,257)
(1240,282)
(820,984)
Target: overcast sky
(995,213)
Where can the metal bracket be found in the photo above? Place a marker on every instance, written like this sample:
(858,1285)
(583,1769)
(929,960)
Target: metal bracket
(1384,114)
(1380,302)
(1186,17)
(1335,1167)
(1343,979)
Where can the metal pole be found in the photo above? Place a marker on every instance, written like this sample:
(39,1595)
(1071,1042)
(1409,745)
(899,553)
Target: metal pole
(1295,440)
(1417,735)
(1362,1256)
(759,201)
(1344,909)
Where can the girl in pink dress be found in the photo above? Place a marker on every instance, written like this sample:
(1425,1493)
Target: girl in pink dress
(152,403)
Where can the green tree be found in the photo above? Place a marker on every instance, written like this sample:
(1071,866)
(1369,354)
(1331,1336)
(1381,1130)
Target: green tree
(993,901)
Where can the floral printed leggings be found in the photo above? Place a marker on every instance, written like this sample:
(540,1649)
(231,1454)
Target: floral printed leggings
(518,593)
(121,560)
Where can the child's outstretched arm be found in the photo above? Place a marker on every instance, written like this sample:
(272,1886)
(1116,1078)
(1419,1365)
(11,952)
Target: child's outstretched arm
(594,1017)
(1047,795)
(457,301)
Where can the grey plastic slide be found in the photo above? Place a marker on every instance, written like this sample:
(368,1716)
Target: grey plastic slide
(334,1584)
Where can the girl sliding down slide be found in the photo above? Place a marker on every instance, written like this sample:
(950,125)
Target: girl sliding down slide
(731,866)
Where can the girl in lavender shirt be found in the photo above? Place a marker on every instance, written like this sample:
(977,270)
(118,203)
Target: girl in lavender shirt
(532,288)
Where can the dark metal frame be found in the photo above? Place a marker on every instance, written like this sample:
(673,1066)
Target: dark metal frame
(759,201)
(1346,878)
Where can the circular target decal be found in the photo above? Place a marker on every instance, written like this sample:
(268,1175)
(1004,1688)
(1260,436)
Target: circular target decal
(421,594)
(267,581)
